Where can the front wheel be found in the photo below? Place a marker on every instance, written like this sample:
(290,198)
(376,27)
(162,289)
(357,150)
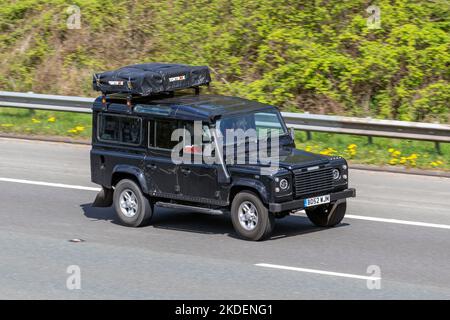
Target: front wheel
(327,215)
(251,218)
(132,207)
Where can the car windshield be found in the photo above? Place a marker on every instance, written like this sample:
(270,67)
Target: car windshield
(266,123)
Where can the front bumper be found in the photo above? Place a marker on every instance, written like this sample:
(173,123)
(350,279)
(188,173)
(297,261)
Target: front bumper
(298,204)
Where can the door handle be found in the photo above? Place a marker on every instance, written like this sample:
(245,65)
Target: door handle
(151,166)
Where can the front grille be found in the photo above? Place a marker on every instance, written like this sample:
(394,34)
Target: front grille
(313,182)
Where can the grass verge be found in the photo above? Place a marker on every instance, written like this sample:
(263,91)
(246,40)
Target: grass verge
(39,122)
(382,151)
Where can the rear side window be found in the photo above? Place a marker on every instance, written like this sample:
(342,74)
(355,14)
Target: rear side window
(163,135)
(160,133)
(120,129)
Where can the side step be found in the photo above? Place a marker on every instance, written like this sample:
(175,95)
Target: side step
(191,208)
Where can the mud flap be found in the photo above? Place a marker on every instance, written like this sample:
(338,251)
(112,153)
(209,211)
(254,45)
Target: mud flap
(104,198)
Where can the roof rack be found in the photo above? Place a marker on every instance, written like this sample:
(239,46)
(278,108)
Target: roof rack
(149,79)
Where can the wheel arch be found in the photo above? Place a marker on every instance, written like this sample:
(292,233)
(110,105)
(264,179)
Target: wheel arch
(247,184)
(121,172)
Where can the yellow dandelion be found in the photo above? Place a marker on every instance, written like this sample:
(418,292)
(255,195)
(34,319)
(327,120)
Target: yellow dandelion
(393,161)
(72,131)
(35,120)
(328,151)
(391,150)
(79,128)
(51,119)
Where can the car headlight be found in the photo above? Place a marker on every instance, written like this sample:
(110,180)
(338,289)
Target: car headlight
(336,174)
(284,184)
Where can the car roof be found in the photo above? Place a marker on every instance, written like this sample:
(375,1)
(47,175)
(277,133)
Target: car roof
(187,107)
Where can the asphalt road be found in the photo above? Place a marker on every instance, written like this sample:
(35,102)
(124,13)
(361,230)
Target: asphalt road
(186,255)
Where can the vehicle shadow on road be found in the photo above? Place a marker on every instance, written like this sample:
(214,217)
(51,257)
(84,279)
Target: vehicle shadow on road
(94,213)
(190,221)
(296,226)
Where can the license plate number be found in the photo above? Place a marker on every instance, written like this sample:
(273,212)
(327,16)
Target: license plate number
(315,201)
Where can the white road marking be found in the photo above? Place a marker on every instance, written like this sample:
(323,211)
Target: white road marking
(49,184)
(348,216)
(412,223)
(327,273)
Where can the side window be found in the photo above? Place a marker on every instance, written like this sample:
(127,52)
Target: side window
(189,132)
(160,133)
(163,134)
(130,129)
(151,133)
(120,129)
(206,134)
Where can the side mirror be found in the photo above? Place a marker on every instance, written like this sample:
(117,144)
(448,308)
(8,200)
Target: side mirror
(292,133)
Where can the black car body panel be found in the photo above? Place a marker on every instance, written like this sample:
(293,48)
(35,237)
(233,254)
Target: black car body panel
(131,154)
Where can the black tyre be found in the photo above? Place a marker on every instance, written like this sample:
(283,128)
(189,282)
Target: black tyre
(324,216)
(251,219)
(132,207)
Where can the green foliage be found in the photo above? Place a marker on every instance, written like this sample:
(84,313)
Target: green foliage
(316,56)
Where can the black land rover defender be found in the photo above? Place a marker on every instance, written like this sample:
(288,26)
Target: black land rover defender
(133,148)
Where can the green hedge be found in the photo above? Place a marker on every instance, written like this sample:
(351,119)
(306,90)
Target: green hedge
(316,56)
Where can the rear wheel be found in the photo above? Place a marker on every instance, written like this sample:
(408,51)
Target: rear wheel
(251,219)
(132,207)
(325,216)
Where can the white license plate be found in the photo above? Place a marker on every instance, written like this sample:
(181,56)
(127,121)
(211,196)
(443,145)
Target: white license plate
(316,201)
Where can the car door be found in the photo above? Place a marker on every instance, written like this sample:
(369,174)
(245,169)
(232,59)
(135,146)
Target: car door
(161,171)
(198,180)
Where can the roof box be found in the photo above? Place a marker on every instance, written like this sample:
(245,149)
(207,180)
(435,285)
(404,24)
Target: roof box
(151,78)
